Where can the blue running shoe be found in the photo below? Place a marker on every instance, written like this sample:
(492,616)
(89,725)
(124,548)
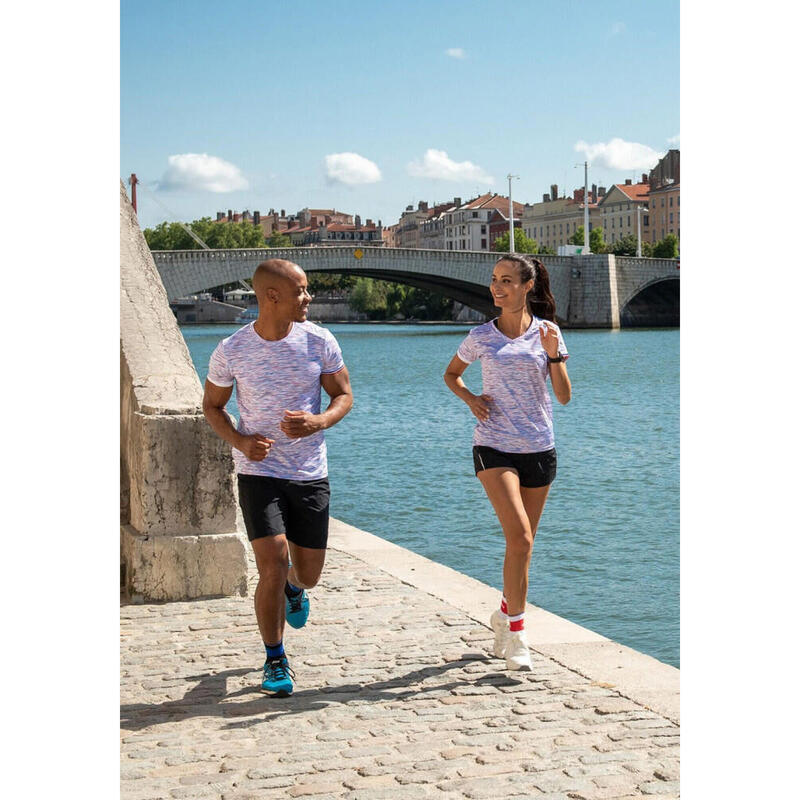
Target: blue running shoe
(297,609)
(277,677)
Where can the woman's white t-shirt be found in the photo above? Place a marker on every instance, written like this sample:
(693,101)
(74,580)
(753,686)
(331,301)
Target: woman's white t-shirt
(515,375)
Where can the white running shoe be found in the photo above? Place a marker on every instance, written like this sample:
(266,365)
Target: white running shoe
(499,623)
(517,654)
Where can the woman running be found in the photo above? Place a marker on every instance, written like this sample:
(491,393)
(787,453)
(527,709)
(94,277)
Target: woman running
(513,452)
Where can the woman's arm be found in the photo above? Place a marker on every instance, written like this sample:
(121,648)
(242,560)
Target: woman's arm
(478,404)
(558,371)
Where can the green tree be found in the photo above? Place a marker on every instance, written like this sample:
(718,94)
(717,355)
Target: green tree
(626,246)
(369,297)
(278,239)
(667,247)
(596,242)
(522,243)
(544,250)
(217,235)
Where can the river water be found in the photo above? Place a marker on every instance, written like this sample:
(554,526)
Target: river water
(606,554)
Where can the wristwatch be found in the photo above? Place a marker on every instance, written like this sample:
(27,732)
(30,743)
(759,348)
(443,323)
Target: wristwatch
(557,360)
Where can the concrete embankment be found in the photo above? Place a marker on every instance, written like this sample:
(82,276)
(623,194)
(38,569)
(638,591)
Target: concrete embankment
(396,696)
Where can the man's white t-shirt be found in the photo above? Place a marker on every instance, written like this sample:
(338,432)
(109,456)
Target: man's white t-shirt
(515,373)
(270,378)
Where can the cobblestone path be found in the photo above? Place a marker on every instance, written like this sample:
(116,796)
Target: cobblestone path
(396,696)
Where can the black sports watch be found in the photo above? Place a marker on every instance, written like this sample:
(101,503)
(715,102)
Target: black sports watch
(557,360)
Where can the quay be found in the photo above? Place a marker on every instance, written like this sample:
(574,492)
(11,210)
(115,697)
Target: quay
(397,695)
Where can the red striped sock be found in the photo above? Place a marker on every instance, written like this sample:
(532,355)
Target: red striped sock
(504,606)
(517,622)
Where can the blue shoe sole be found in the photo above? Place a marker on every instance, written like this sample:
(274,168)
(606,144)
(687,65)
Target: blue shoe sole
(278,692)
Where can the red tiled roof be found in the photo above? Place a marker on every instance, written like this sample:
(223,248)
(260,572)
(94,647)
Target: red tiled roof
(338,227)
(491,200)
(635,191)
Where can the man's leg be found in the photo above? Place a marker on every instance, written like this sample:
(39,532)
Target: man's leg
(307,564)
(272,560)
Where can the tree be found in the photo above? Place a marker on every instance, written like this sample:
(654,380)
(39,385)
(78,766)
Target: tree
(522,243)
(667,247)
(596,241)
(278,239)
(217,235)
(369,297)
(544,250)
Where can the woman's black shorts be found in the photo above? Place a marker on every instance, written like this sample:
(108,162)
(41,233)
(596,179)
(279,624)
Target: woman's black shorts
(272,506)
(534,469)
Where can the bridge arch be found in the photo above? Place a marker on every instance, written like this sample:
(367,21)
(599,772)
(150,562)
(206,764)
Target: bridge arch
(656,304)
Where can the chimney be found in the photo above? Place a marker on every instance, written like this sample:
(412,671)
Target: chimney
(256,218)
(422,206)
(220,215)
(283,213)
(554,191)
(545,198)
(601,191)
(271,211)
(644,177)
(379,224)
(627,181)
(369,223)
(358,221)
(230,215)
(457,201)
(577,195)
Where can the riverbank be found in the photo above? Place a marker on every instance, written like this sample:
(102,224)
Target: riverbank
(396,696)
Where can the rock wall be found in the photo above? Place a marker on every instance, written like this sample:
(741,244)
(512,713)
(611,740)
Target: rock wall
(177,505)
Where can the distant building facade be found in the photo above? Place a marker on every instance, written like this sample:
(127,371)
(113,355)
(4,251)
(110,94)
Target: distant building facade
(618,210)
(467,225)
(665,197)
(555,220)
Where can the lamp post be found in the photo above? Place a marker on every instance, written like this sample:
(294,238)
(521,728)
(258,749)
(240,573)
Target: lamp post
(586,249)
(510,215)
(638,231)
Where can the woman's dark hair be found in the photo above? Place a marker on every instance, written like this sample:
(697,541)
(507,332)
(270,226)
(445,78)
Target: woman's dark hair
(541,302)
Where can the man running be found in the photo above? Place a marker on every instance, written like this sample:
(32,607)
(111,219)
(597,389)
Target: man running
(278,364)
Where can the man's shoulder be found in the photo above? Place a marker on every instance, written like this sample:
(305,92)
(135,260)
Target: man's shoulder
(312,330)
(238,338)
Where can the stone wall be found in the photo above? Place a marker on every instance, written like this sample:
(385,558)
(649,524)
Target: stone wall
(178,533)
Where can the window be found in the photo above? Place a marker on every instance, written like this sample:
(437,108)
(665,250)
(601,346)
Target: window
(662,202)
(670,201)
(474,215)
(483,244)
(483,229)
(646,220)
(463,245)
(670,218)
(590,226)
(629,220)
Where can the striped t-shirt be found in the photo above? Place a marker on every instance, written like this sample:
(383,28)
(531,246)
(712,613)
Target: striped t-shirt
(515,372)
(270,378)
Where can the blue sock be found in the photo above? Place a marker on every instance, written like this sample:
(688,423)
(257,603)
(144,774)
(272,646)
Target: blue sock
(290,590)
(275,650)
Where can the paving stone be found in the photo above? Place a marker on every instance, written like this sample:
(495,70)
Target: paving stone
(393,714)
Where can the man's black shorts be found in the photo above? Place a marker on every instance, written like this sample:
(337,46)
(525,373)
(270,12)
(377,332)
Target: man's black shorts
(271,506)
(534,469)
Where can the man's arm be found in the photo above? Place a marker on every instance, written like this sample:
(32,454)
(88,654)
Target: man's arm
(296,424)
(256,447)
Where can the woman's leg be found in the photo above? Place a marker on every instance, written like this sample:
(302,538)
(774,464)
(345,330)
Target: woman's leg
(503,490)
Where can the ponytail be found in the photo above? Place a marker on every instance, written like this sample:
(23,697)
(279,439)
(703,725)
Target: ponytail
(541,302)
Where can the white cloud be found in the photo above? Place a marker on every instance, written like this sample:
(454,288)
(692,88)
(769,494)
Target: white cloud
(201,172)
(455,52)
(617,28)
(676,140)
(619,154)
(437,164)
(351,168)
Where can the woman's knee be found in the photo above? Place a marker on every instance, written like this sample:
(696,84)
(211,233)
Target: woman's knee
(519,540)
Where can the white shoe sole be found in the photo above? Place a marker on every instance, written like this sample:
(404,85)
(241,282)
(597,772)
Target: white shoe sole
(501,635)
(515,666)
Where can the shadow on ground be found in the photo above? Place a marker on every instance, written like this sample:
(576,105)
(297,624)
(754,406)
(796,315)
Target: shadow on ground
(210,698)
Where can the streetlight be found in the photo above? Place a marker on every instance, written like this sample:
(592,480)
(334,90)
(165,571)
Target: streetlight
(639,210)
(586,249)
(510,215)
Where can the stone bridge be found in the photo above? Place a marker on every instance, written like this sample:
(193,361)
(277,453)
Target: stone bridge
(597,291)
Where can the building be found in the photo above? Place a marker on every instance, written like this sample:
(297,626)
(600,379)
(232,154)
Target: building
(432,230)
(336,234)
(407,231)
(467,226)
(555,220)
(618,210)
(665,197)
(498,225)
(389,236)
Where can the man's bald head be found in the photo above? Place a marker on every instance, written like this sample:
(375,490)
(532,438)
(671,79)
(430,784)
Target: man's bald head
(273,274)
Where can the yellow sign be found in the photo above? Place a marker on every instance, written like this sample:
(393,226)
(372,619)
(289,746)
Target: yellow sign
(358,253)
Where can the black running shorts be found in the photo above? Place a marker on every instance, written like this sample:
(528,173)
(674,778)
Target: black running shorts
(534,469)
(273,506)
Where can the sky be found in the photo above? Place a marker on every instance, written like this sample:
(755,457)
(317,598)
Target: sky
(369,107)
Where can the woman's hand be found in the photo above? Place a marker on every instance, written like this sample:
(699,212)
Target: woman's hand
(479,406)
(548,332)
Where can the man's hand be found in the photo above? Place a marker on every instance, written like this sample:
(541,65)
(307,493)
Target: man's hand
(297,424)
(255,446)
